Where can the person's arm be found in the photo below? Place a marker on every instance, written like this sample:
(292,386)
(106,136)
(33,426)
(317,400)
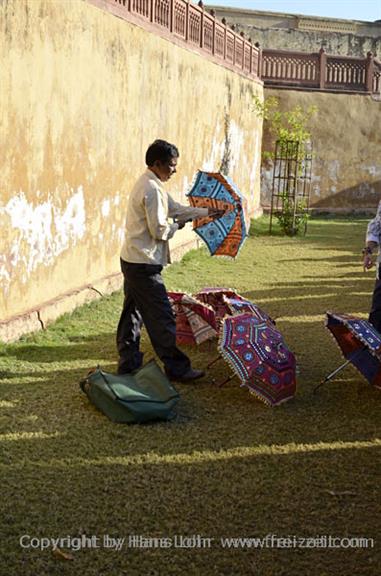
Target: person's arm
(180,212)
(157,221)
(184,213)
(371,242)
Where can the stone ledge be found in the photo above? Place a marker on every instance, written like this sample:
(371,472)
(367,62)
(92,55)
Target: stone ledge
(48,312)
(15,327)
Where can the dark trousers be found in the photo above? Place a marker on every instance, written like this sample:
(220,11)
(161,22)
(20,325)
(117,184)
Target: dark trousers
(375,311)
(146,302)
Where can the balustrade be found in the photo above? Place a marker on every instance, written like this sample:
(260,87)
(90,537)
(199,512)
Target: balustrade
(320,71)
(191,23)
(197,27)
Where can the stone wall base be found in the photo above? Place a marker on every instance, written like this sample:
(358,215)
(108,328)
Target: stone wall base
(47,312)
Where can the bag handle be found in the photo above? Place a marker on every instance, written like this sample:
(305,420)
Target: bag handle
(176,395)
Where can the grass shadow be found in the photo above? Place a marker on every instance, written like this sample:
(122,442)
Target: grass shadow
(228,465)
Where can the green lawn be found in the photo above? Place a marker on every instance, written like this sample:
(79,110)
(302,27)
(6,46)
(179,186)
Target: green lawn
(228,466)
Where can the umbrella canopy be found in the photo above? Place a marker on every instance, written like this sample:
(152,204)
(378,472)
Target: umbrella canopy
(239,306)
(224,236)
(195,321)
(360,344)
(215,297)
(258,355)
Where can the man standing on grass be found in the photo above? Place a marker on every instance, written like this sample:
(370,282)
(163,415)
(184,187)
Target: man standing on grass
(144,254)
(373,240)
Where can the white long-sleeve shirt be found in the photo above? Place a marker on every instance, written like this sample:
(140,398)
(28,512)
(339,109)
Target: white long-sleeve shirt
(373,233)
(147,228)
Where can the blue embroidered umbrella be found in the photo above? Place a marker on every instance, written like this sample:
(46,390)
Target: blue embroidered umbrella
(360,344)
(223,236)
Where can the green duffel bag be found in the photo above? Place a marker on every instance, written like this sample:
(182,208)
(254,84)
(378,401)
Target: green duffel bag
(145,395)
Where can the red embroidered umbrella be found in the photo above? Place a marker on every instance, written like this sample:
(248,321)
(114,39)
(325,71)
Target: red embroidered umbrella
(259,356)
(215,297)
(195,321)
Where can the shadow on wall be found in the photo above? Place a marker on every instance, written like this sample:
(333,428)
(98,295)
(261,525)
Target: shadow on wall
(364,196)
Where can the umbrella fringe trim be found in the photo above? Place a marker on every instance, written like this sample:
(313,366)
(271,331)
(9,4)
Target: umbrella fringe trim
(259,396)
(221,289)
(265,398)
(373,352)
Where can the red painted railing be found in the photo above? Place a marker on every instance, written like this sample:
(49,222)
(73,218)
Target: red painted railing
(192,24)
(321,71)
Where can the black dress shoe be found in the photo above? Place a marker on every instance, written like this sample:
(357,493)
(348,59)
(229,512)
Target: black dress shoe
(188,376)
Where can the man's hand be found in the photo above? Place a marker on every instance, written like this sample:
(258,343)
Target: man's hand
(181,223)
(367,253)
(368,262)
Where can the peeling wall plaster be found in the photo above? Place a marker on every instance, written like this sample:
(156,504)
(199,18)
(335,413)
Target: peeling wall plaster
(363,190)
(236,139)
(256,160)
(73,149)
(373,170)
(105,208)
(5,277)
(212,163)
(39,232)
(346,166)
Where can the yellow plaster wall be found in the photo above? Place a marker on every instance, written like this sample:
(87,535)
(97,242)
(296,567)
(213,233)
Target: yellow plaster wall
(346,136)
(83,93)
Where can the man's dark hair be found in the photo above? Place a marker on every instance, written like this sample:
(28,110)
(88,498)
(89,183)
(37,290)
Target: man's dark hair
(162,151)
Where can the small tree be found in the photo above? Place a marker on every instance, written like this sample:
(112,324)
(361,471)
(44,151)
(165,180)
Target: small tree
(288,127)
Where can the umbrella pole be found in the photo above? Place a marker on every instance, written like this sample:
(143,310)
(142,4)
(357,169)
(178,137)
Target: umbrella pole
(332,375)
(225,381)
(339,368)
(213,361)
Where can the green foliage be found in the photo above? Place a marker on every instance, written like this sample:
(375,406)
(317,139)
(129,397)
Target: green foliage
(285,126)
(288,126)
(290,220)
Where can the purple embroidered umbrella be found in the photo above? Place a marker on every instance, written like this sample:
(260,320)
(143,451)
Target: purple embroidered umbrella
(259,356)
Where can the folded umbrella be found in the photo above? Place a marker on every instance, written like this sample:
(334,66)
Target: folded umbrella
(195,321)
(224,236)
